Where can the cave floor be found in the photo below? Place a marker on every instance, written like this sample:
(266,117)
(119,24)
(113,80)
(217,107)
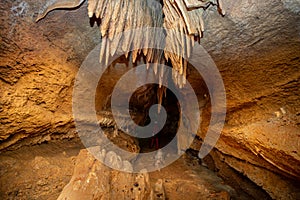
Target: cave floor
(39,171)
(187,179)
(42,171)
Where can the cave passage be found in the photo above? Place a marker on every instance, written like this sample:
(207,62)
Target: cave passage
(169,130)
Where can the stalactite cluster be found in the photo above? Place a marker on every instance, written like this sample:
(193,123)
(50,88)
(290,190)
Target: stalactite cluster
(124,15)
(182,20)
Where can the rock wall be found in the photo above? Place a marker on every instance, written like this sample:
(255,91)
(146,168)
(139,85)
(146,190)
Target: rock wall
(256,48)
(38,64)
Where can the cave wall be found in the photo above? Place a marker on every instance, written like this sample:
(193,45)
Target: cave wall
(255,46)
(38,64)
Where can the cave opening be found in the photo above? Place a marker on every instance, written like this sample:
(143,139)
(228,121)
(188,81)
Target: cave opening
(169,129)
(146,96)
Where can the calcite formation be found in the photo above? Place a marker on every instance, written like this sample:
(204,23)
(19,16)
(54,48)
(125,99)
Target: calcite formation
(180,18)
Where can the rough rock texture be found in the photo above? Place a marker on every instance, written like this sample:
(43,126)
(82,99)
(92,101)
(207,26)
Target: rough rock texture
(255,46)
(93,180)
(65,169)
(38,66)
(37,172)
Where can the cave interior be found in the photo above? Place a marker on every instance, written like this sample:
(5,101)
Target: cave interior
(62,64)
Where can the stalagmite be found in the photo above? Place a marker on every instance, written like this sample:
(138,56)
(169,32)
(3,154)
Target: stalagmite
(159,159)
(127,166)
(159,190)
(112,159)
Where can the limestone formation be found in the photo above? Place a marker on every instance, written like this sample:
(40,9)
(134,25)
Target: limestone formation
(181,18)
(255,46)
(159,159)
(159,190)
(93,180)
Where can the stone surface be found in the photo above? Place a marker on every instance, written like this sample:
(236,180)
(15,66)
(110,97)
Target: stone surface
(258,57)
(38,66)
(37,172)
(93,180)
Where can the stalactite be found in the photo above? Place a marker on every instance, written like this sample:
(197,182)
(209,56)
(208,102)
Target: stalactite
(181,18)
(160,94)
(92,5)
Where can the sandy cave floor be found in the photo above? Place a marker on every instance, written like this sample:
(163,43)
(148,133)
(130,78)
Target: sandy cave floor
(42,171)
